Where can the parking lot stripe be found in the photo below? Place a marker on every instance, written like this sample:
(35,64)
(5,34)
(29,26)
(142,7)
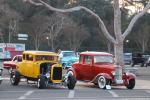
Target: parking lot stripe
(114,94)
(71,94)
(25,95)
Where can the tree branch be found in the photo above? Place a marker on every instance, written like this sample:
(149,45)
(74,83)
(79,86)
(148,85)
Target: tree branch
(135,19)
(101,23)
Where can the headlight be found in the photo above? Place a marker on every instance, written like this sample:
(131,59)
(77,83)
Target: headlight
(1,71)
(113,73)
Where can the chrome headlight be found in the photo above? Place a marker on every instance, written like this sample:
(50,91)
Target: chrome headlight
(113,73)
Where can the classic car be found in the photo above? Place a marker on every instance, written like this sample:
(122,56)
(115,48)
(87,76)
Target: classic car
(42,67)
(67,58)
(1,71)
(100,69)
(10,65)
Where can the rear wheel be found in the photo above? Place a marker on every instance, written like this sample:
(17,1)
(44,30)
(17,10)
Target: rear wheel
(102,82)
(131,84)
(71,81)
(15,78)
(42,82)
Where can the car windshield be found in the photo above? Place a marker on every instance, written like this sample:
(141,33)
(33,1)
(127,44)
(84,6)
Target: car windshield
(103,59)
(46,57)
(1,50)
(127,56)
(66,54)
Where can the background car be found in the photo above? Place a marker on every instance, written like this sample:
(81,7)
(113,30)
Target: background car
(138,58)
(128,58)
(147,62)
(67,58)
(99,68)
(10,65)
(42,67)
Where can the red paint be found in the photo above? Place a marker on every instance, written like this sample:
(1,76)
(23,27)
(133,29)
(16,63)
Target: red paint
(85,71)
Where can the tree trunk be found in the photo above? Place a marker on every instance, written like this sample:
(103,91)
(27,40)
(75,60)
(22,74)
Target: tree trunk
(118,52)
(52,45)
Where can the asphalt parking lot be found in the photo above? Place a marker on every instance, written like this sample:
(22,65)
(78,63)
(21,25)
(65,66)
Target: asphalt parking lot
(82,91)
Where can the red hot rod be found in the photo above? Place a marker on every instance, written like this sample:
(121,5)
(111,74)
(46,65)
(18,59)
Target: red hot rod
(100,69)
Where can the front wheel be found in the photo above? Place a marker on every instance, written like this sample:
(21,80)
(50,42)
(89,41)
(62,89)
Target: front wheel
(42,82)
(71,82)
(15,78)
(102,82)
(131,84)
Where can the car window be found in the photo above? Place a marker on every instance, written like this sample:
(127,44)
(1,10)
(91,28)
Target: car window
(19,58)
(66,54)
(46,57)
(87,59)
(1,49)
(15,59)
(29,57)
(100,59)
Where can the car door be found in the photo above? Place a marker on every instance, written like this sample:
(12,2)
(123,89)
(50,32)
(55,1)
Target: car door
(29,65)
(87,68)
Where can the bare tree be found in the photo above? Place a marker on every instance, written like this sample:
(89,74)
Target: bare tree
(75,35)
(142,37)
(10,17)
(54,26)
(37,30)
(119,35)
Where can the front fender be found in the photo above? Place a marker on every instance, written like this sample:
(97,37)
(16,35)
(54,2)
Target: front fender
(107,76)
(72,70)
(129,76)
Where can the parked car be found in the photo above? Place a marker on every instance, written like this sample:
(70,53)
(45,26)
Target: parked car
(99,68)
(67,58)
(128,58)
(10,65)
(147,63)
(42,67)
(138,58)
(1,71)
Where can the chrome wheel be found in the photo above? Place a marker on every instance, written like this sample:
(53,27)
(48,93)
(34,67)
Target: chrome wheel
(102,82)
(12,79)
(38,83)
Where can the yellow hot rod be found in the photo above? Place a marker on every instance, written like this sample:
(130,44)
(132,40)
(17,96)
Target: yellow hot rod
(42,67)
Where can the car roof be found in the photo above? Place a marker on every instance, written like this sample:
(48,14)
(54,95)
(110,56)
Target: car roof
(40,53)
(67,51)
(95,53)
